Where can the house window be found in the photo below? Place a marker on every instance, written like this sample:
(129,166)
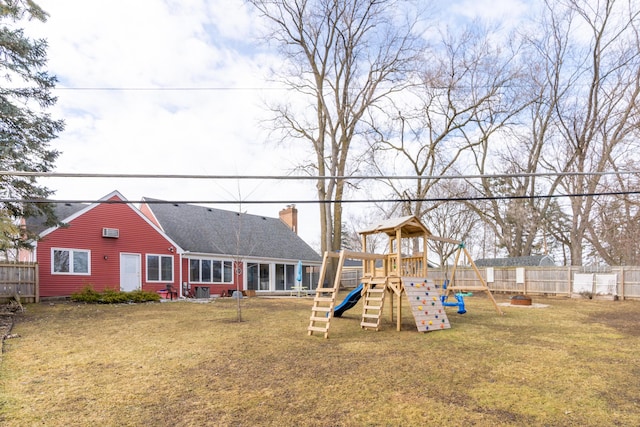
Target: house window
(310,276)
(216,272)
(159,268)
(258,277)
(71,261)
(227,272)
(206,270)
(285,276)
(210,271)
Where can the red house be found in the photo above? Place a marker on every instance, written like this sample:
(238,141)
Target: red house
(109,244)
(200,251)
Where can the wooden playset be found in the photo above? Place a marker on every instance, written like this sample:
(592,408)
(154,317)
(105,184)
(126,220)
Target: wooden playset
(389,275)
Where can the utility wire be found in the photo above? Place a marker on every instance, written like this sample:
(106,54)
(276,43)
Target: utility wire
(167,89)
(258,88)
(291,177)
(304,177)
(345,201)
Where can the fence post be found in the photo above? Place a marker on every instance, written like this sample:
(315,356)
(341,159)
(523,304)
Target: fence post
(37,280)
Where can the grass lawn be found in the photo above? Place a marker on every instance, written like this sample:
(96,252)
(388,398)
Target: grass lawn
(574,363)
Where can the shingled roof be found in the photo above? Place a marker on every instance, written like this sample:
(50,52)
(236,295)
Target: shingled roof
(206,230)
(37,224)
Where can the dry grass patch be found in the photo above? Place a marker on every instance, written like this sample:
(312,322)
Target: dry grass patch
(185,364)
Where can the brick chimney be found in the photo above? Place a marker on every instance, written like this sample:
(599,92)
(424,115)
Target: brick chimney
(289,216)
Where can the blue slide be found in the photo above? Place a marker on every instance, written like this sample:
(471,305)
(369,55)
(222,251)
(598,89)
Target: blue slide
(351,300)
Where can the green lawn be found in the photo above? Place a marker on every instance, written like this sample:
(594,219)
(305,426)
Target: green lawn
(576,362)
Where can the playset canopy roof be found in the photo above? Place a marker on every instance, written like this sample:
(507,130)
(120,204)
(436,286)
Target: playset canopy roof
(410,225)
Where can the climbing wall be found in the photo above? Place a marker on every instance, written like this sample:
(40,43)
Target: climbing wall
(424,299)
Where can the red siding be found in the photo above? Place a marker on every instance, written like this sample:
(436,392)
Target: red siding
(137,236)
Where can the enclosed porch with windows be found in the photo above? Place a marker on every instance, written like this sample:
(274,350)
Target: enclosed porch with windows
(205,277)
(209,276)
(269,277)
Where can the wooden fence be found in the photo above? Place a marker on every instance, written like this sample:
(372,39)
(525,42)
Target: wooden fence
(607,282)
(19,279)
(603,282)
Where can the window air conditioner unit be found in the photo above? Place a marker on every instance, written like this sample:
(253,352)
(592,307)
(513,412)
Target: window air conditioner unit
(111,232)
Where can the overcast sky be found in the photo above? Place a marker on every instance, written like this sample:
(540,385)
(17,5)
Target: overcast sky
(205,117)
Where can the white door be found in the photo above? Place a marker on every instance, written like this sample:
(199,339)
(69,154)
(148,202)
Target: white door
(130,272)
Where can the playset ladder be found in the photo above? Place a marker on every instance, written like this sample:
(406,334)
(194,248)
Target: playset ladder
(372,305)
(325,299)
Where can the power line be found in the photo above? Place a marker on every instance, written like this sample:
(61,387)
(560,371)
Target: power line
(305,177)
(167,89)
(346,201)
(282,88)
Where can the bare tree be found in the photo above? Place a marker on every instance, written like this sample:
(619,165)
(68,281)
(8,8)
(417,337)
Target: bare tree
(341,59)
(615,226)
(452,220)
(582,80)
(516,214)
(238,241)
(239,260)
(467,93)
(597,115)
(357,223)
(512,208)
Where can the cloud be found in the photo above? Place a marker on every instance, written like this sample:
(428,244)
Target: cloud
(120,45)
(203,117)
(507,12)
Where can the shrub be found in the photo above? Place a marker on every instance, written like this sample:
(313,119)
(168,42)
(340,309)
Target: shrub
(112,296)
(87,294)
(143,296)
